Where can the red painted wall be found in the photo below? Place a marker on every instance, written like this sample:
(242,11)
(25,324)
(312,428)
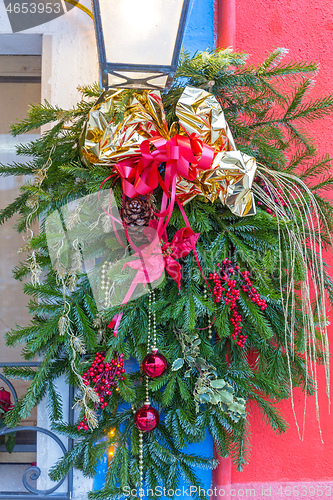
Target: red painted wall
(304,27)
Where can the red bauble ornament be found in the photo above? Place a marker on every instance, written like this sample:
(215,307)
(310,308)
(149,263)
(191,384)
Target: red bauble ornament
(146,418)
(154,364)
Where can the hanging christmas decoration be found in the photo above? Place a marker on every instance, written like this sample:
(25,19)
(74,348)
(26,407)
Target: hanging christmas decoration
(200,244)
(154,365)
(204,143)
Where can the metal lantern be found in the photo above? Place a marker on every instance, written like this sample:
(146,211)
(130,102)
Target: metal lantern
(139,41)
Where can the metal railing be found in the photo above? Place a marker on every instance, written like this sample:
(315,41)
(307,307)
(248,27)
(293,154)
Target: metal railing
(33,473)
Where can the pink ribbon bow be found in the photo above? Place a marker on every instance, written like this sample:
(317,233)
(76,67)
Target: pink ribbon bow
(182,156)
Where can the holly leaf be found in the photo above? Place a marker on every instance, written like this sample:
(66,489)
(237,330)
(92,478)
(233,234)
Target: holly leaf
(190,360)
(204,398)
(237,408)
(215,399)
(203,364)
(204,390)
(177,364)
(218,384)
(226,397)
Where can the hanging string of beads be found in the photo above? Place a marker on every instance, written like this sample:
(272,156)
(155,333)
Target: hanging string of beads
(210,335)
(106,287)
(154,365)
(141,494)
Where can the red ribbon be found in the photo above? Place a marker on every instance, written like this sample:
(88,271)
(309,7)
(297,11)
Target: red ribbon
(140,175)
(181,208)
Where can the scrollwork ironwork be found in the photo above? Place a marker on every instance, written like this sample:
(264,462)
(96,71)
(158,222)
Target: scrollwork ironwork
(34,470)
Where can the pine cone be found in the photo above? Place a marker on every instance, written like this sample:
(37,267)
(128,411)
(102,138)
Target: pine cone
(137,212)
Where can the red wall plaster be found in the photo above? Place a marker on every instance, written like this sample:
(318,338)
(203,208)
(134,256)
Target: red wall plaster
(306,29)
(302,26)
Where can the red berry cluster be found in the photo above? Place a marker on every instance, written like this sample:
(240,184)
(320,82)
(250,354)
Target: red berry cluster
(105,377)
(278,200)
(252,292)
(83,424)
(226,273)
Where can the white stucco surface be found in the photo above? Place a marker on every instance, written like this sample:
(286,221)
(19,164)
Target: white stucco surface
(70,58)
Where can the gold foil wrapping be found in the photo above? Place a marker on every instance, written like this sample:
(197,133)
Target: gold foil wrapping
(232,176)
(200,113)
(107,142)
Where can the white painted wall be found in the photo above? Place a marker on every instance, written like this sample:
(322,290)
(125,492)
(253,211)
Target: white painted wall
(69,59)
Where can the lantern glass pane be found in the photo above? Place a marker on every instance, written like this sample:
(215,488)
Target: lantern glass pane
(140,31)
